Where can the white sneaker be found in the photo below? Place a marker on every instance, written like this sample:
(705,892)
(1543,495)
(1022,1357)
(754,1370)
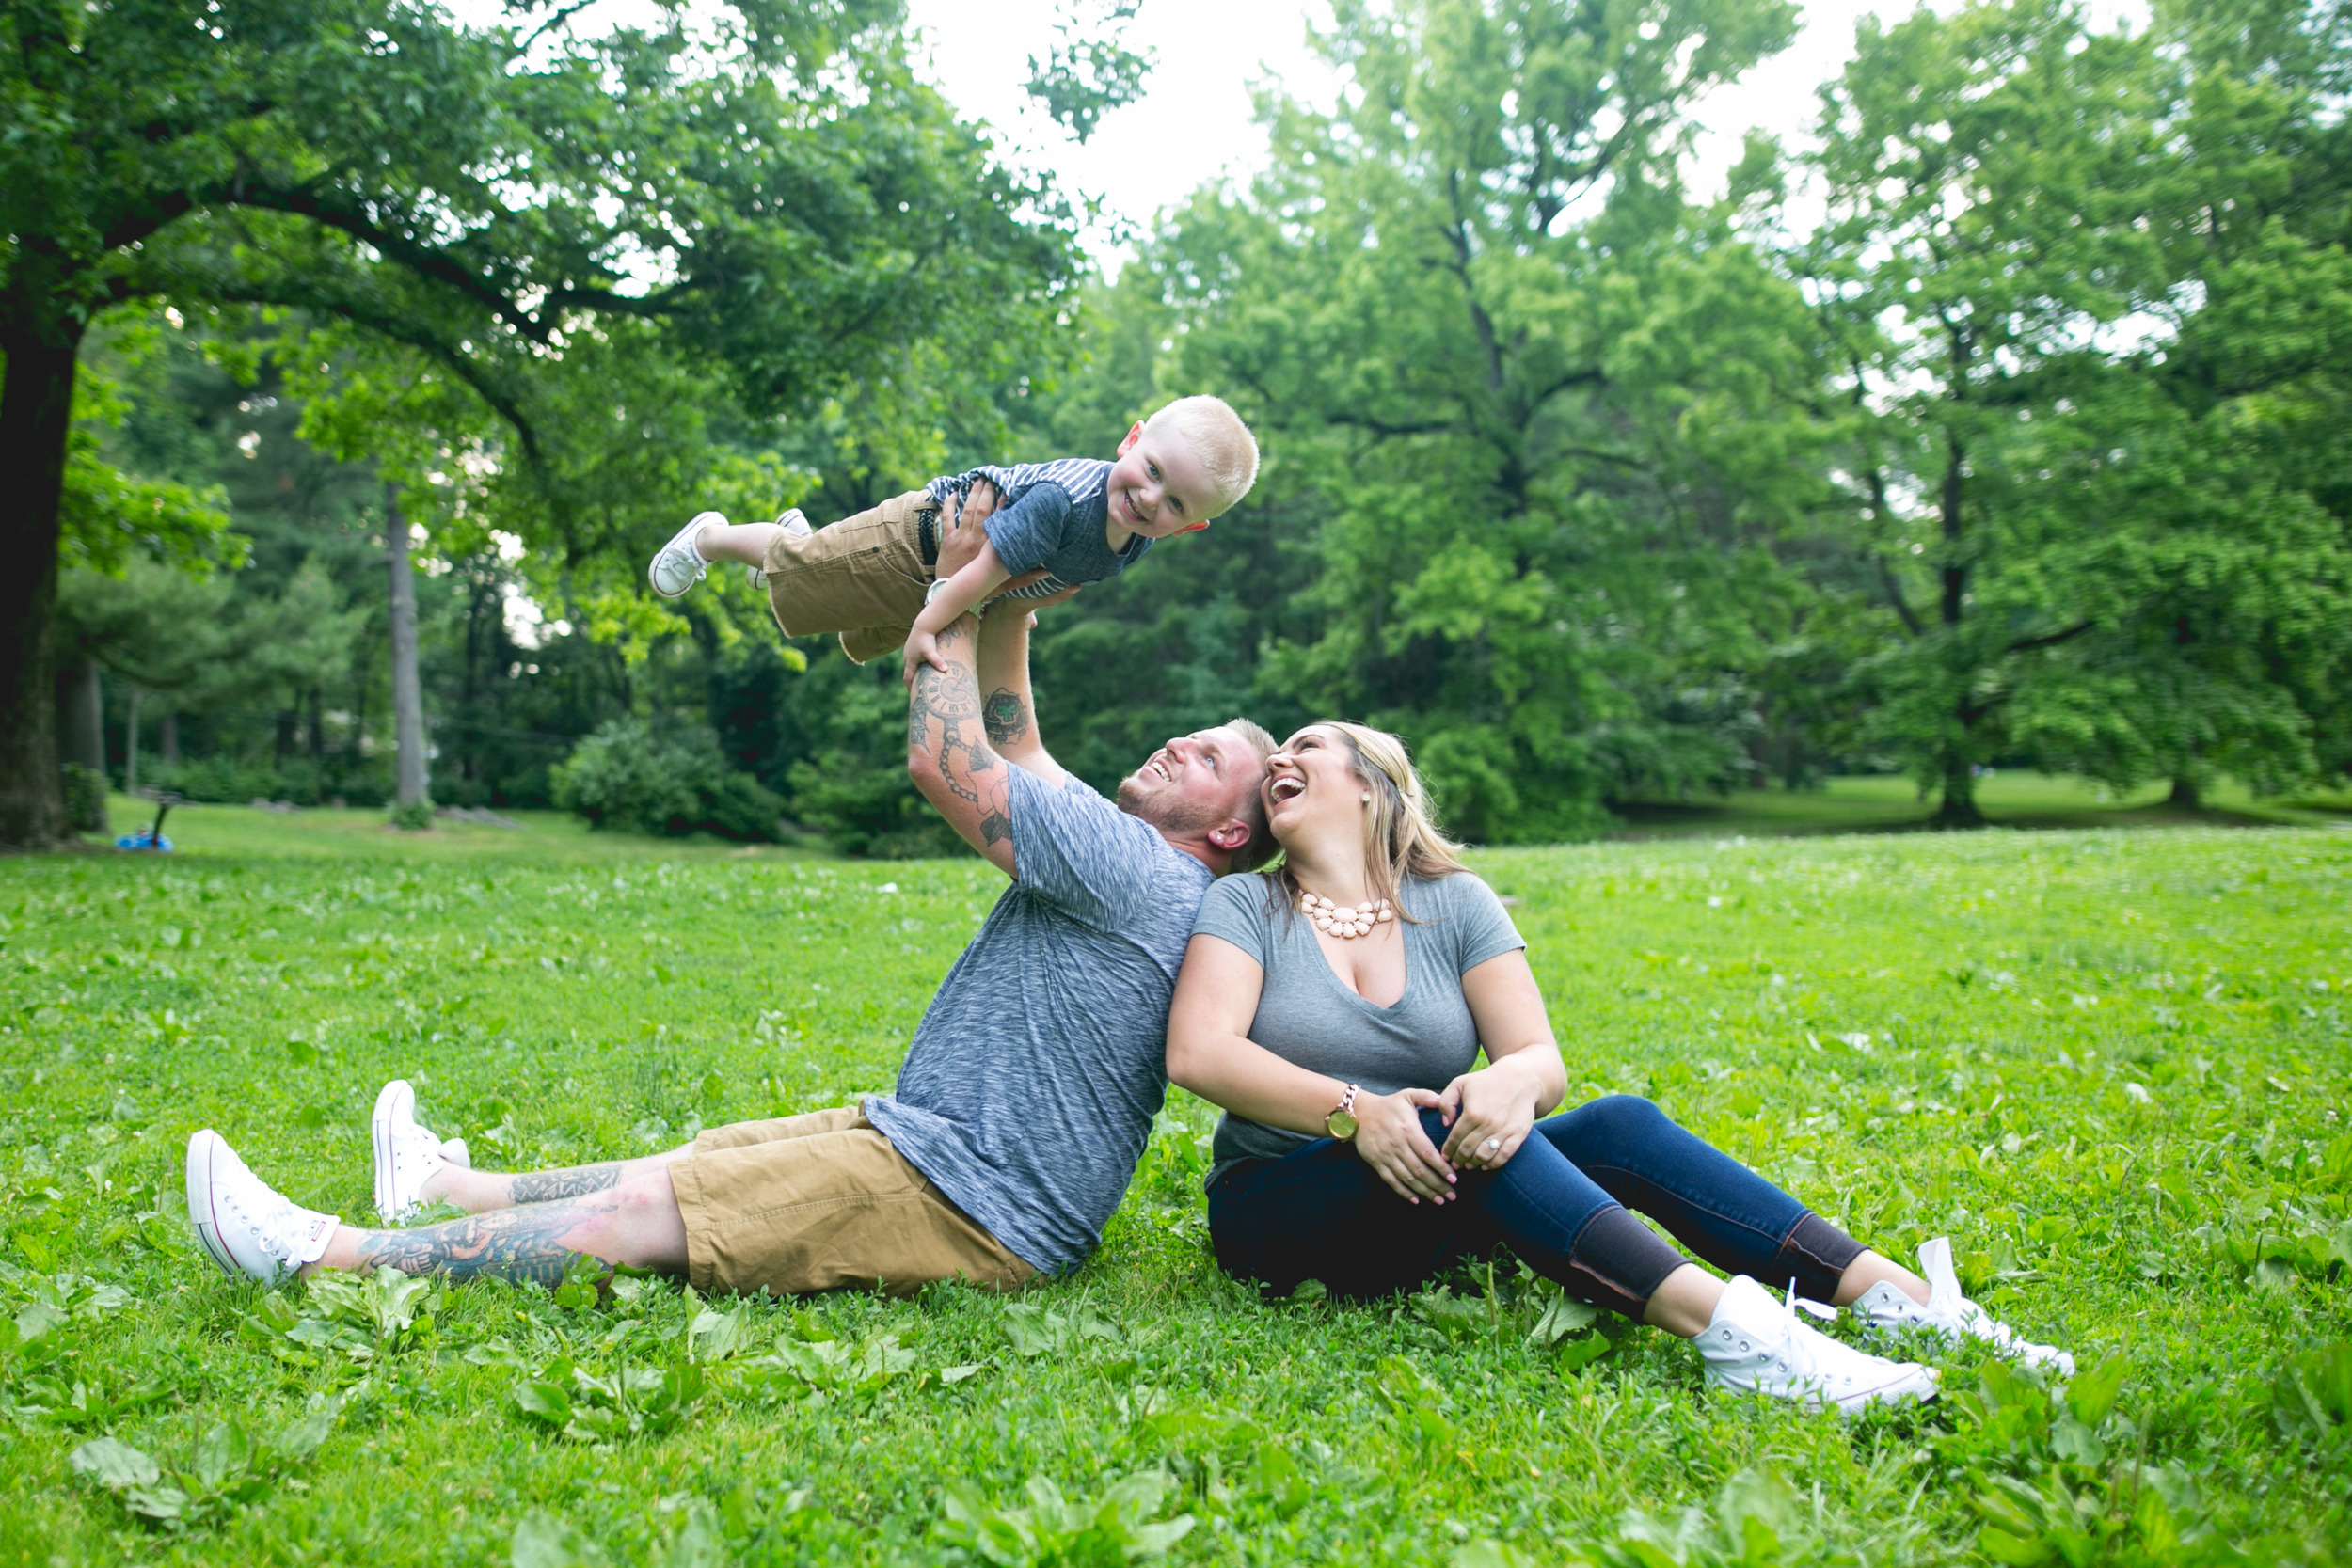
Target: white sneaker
(247,1228)
(679,564)
(405,1153)
(1950,1314)
(1753,1345)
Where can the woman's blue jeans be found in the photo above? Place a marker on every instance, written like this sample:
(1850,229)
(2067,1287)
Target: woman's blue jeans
(1559,1203)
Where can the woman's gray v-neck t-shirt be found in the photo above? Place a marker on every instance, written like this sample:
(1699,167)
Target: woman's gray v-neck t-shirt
(1308,1017)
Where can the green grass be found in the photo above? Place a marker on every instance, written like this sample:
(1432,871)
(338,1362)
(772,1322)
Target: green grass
(2011,798)
(2113,1065)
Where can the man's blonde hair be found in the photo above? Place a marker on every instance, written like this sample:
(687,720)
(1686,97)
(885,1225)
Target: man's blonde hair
(1216,435)
(1260,847)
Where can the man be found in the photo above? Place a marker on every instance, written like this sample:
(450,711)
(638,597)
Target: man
(1019,1113)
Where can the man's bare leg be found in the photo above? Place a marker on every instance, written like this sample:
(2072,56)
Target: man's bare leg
(480,1190)
(629,1216)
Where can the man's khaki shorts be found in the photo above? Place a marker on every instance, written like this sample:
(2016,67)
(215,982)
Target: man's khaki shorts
(823,1202)
(863,577)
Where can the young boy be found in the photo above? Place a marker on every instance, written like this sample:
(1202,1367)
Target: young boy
(869,577)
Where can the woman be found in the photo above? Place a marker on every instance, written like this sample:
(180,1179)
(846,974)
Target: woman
(1333,1006)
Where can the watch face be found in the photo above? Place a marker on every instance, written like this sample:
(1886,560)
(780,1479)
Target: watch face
(1340,1125)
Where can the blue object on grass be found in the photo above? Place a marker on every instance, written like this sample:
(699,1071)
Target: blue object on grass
(151,836)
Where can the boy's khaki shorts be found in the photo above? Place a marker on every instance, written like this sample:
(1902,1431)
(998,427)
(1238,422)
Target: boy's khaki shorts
(823,1202)
(863,577)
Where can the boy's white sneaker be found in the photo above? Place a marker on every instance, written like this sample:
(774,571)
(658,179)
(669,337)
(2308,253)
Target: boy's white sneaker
(1950,1314)
(246,1226)
(405,1153)
(1755,1345)
(679,565)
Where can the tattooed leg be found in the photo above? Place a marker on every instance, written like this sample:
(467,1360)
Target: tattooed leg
(633,1220)
(478,1191)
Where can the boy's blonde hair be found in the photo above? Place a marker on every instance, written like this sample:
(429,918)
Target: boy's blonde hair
(1216,435)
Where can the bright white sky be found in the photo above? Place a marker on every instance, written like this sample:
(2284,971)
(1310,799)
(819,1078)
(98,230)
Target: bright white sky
(1195,121)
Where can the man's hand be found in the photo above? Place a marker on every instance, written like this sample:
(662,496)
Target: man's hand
(962,534)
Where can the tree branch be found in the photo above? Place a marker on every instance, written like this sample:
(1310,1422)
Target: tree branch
(2026,644)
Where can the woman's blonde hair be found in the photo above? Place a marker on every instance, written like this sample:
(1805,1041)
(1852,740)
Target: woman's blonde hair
(1401,834)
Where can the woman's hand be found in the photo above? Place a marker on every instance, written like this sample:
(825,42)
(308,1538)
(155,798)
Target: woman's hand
(1388,1139)
(1491,1111)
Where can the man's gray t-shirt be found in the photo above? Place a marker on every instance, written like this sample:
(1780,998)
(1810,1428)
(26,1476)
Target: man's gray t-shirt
(1028,1094)
(1308,1017)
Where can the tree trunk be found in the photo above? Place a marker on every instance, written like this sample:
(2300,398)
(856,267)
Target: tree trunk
(36,417)
(318,731)
(131,745)
(82,718)
(285,736)
(407,695)
(167,740)
(2186,795)
(1958,809)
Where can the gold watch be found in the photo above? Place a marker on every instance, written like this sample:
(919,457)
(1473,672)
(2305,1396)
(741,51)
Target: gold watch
(1341,1123)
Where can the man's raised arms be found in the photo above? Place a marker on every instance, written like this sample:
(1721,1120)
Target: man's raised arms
(948,754)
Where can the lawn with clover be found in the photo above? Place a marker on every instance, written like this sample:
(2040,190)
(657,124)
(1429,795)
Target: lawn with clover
(2114,1066)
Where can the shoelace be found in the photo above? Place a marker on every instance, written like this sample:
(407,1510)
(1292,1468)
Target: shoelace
(1796,1351)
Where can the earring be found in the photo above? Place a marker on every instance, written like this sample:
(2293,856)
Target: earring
(1367,797)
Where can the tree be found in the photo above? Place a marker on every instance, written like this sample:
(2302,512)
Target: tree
(761,191)
(1551,417)
(2058,322)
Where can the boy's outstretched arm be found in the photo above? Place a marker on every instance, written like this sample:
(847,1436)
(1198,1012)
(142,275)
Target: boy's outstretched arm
(953,596)
(948,753)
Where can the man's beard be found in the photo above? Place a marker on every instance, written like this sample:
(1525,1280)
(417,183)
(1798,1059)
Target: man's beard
(1169,810)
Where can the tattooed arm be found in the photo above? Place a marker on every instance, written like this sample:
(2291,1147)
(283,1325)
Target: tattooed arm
(948,753)
(1006,711)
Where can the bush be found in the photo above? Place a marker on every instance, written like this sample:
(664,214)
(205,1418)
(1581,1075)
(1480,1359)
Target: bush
(625,777)
(225,779)
(84,799)
(414,818)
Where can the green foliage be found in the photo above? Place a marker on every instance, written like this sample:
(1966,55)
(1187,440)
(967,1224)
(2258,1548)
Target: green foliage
(1101,1532)
(624,777)
(85,798)
(607,1406)
(227,1471)
(1087,74)
(2098,545)
(412,816)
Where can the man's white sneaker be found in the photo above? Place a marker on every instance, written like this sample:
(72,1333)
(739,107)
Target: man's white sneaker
(679,564)
(1755,1345)
(246,1226)
(405,1153)
(1950,1314)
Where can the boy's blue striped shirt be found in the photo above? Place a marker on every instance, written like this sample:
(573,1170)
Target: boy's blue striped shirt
(1060,528)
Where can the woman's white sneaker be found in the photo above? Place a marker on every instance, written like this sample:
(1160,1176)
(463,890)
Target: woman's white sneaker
(1755,1345)
(405,1153)
(679,564)
(246,1226)
(1950,1314)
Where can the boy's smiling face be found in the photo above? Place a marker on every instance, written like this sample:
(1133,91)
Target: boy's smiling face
(1158,487)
